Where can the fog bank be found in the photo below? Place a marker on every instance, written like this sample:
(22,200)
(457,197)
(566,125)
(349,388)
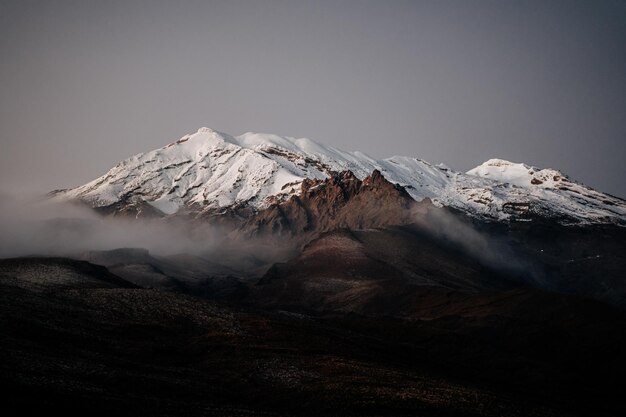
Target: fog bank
(35,225)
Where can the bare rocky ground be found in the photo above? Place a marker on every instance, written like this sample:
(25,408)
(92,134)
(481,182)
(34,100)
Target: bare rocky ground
(78,340)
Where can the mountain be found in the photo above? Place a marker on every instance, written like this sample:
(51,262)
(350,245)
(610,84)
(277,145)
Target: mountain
(502,225)
(388,288)
(209,173)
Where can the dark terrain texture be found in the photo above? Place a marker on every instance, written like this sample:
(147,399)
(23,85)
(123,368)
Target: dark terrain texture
(78,340)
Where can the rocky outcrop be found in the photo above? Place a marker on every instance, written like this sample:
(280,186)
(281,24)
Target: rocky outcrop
(339,202)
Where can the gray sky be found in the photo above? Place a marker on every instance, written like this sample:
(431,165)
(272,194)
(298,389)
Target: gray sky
(85,84)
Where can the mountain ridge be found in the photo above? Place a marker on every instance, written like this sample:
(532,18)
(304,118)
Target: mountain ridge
(208,171)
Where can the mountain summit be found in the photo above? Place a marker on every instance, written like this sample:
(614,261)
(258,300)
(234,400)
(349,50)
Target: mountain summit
(209,171)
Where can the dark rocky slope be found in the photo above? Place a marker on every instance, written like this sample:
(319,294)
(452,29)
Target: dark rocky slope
(106,349)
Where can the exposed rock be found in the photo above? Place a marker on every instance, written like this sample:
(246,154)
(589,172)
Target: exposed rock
(341,201)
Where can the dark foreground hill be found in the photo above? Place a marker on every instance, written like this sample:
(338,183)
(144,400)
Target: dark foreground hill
(89,343)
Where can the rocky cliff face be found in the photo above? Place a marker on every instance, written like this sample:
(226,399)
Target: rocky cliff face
(340,202)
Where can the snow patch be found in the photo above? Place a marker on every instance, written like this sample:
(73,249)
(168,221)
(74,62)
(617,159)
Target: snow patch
(165,205)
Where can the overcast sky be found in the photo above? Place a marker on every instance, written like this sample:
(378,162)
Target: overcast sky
(85,84)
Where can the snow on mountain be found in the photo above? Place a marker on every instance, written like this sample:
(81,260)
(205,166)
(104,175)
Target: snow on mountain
(208,171)
(549,192)
(518,174)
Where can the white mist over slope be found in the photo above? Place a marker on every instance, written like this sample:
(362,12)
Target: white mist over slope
(33,226)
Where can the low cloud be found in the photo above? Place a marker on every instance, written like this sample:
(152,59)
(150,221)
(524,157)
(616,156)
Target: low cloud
(31,225)
(38,226)
(492,250)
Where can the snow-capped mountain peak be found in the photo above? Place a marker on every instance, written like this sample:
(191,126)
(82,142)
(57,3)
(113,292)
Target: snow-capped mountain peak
(518,174)
(209,171)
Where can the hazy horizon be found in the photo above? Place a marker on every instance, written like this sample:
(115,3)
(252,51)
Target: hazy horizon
(87,84)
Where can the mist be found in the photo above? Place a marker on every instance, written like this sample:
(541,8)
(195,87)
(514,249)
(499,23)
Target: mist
(494,252)
(34,225)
